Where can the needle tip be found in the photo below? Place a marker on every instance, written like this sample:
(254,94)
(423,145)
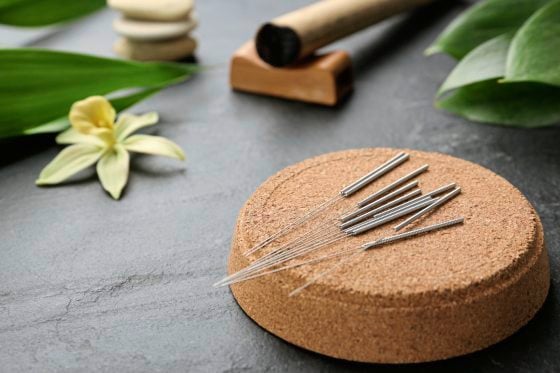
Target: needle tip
(220,283)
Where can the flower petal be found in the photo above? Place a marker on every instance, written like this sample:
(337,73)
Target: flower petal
(112,170)
(71,136)
(92,115)
(154,145)
(69,161)
(128,124)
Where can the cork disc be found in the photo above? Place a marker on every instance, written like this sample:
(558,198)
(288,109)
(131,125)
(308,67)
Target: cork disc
(435,296)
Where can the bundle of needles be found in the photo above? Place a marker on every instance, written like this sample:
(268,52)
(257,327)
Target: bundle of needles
(390,203)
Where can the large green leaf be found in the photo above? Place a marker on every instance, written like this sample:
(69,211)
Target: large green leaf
(39,86)
(535,50)
(31,13)
(485,62)
(482,22)
(518,104)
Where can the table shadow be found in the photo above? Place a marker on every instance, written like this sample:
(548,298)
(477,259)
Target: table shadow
(19,148)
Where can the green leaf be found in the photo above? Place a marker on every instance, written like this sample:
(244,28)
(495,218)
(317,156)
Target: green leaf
(112,170)
(32,13)
(486,62)
(154,145)
(120,103)
(534,55)
(482,22)
(68,162)
(39,86)
(517,104)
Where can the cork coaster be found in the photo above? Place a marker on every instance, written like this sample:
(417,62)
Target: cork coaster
(432,297)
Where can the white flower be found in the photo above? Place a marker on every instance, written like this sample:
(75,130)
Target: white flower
(96,138)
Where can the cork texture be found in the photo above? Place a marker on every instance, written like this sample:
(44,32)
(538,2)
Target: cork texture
(433,297)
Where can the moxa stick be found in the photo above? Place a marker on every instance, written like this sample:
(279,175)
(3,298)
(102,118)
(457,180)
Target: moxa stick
(295,35)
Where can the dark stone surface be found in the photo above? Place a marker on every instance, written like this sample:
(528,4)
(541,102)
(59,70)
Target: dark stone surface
(90,284)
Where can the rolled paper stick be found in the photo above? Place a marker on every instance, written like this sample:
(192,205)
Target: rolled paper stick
(295,35)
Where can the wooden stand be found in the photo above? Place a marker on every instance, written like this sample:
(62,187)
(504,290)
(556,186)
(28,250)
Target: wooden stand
(323,79)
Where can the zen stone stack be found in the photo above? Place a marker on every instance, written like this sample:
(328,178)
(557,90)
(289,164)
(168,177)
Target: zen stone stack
(155,30)
(436,296)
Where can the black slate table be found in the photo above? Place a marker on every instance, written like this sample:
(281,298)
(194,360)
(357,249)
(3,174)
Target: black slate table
(90,284)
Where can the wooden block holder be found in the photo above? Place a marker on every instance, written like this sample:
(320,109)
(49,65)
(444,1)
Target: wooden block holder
(282,61)
(321,79)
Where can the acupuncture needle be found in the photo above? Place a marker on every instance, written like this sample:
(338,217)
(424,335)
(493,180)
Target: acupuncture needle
(347,216)
(344,193)
(432,193)
(343,252)
(386,218)
(429,208)
(377,220)
(379,242)
(276,258)
(334,236)
(280,258)
(388,208)
(331,226)
(393,185)
(363,212)
(319,230)
(329,237)
(307,262)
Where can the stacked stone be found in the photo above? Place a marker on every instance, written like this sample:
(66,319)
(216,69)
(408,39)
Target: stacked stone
(155,30)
